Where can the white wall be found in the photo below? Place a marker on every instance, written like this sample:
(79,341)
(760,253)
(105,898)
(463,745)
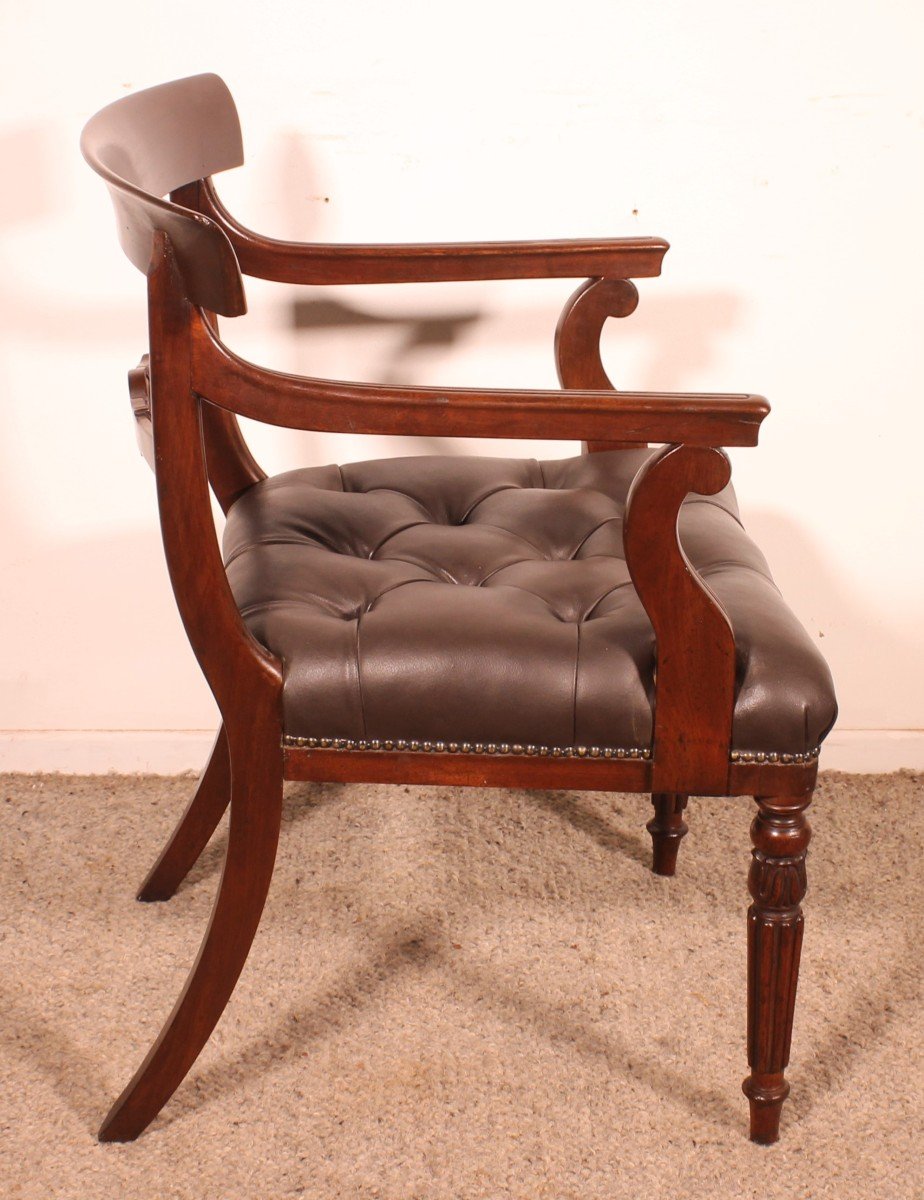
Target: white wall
(776,145)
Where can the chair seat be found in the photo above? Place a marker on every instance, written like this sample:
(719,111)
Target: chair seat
(487,601)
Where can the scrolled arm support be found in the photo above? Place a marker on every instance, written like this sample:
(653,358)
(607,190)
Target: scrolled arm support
(695,673)
(577,338)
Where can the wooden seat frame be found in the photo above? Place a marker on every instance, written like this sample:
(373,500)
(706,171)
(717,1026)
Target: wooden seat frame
(187,397)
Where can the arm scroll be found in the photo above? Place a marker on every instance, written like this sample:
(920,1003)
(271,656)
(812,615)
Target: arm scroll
(695,671)
(577,337)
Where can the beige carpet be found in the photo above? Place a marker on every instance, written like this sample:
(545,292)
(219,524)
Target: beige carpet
(459,994)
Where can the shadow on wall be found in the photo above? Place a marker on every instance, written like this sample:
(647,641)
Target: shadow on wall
(669,340)
(679,336)
(414,331)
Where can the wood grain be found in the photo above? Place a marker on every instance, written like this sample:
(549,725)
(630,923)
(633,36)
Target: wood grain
(667,828)
(695,671)
(246,682)
(301,402)
(777,884)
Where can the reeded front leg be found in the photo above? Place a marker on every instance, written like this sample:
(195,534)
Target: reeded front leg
(667,828)
(777,883)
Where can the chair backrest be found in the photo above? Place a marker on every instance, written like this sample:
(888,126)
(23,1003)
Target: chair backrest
(153,142)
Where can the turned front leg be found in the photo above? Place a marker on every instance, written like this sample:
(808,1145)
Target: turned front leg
(667,828)
(777,883)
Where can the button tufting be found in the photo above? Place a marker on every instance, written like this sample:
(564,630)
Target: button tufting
(485,604)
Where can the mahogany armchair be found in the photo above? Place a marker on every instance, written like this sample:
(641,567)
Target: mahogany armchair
(601,622)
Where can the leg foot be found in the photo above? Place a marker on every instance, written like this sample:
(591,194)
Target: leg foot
(667,828)
(777,883)
(256,808)
(195,827)
(766,1095)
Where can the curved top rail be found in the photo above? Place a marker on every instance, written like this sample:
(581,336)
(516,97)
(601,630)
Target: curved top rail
(152,142)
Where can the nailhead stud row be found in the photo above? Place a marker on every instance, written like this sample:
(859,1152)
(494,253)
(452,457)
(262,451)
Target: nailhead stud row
(468,748)
(737,756)
(759,756)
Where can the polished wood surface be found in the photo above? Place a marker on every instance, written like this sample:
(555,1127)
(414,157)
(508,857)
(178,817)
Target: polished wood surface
(187,398)
(153,141)
(695,694)
(139,391)
(298,402)
(577,339)
(667,828)
(777,884)
(246,682)
(467,770)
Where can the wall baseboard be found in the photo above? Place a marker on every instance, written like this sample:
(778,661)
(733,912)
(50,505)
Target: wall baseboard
(105,751)
(172,752)
(873,751)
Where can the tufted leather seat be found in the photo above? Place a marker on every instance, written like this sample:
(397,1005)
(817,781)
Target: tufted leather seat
(487,600)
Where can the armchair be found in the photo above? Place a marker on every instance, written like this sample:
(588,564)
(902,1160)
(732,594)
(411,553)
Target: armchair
(601,622)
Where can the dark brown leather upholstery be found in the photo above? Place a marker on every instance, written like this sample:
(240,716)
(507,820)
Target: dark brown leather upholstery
(487,600)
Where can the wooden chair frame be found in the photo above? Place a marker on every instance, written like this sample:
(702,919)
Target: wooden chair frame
(187,397)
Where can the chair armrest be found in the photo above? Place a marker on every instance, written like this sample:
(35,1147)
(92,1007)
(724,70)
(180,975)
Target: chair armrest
(309,263)
(301,402)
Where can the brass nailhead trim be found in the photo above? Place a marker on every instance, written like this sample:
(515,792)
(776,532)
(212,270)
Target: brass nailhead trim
(760,756)
(495,748)
(416,747)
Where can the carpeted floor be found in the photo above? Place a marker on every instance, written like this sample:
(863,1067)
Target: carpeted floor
(458,994)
